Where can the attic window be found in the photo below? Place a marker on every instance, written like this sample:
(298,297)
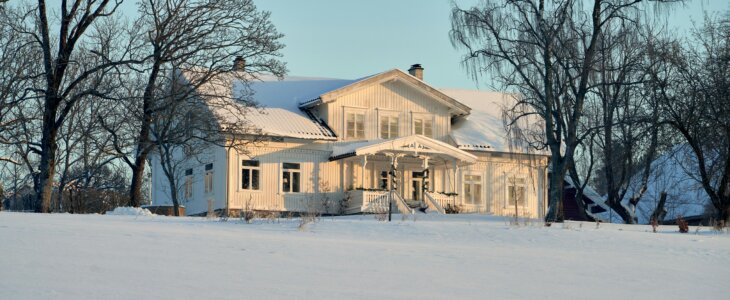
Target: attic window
(355,125)
(423,126)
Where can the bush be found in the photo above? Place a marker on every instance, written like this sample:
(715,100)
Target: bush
(452,209)
(683,225)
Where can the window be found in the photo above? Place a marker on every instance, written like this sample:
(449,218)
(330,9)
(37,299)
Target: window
(516,188)
(355,125)
(388,127)
(250,174)
(473,189)
(188,183)
(423,126)
(209,178)
(290,178)
(382,180)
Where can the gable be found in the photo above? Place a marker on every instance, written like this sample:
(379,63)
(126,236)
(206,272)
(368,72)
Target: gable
(398,81)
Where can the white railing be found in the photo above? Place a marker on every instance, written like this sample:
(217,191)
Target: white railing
(402,206)
(374,201)
(443,200)
(433,204)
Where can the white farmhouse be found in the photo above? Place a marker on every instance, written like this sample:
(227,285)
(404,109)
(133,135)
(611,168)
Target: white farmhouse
(357,144)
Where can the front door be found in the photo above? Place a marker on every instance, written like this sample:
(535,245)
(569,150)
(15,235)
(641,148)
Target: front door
(417,186)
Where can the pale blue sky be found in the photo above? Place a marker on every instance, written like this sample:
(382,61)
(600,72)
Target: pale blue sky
(352,39)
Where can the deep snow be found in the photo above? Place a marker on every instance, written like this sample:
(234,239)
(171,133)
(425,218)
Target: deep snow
(63,256)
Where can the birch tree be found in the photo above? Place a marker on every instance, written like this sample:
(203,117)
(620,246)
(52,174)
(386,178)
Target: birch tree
(545,51)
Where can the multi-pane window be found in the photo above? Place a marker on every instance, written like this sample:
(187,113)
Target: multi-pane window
(516,188)
(388,127)
(208,178)
(423,126)
(355,125)
(290,178)
(473,189)
(250,171)
(383,181)
(188,183)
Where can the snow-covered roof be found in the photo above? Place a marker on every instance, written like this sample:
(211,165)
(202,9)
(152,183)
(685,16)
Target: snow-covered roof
(596,202)
(409,144)
(673,173)
(277,113)
(485,129)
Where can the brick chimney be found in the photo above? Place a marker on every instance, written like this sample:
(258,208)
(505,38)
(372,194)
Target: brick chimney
(416,71)
(239,64)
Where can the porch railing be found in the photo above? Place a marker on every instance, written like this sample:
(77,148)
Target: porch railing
(433,204)
(443,200)
(401,204)
(374,202)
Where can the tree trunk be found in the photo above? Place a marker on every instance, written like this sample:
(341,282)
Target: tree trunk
(555,202)
(143,140)
(49,147)
(135,189)
(659,212)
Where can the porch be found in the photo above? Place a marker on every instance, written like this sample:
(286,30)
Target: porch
(414,172)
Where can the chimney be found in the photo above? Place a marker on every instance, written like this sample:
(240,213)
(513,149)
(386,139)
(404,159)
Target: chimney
(239,64)
(416,71)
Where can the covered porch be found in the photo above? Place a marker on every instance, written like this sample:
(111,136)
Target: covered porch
(414,172)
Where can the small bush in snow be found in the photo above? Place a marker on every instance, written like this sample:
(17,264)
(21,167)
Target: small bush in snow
(247,215)
(452,209)
(683,225)
(654,224)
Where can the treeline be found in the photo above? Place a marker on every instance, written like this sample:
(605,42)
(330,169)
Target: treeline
(88,94)
(615,88)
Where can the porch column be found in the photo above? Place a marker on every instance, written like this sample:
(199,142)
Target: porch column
(364,164)
(453,183)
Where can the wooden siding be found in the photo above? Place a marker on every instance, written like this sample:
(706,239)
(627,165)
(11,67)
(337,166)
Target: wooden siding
(392,97)
(320,178)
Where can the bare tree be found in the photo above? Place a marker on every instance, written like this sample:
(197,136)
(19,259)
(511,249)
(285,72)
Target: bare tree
(697,105)
(627,113)
(545,51)
(200,38)
(63,73)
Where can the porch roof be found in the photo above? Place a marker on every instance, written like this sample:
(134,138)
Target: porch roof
(413,145)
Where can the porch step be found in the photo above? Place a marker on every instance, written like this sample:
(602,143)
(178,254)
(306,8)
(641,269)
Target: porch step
(417,206)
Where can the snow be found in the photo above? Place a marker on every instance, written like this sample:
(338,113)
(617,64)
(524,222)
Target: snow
(345,148)
(485,129)
(277,113)
(589,192)
(129,211)
(63,256)
(671,173)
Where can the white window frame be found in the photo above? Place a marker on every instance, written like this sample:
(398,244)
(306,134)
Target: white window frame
(480,201)
(389,116)
(292,172)
(208,178)
(509,184)
(355,112)
(424,118)
(251,170)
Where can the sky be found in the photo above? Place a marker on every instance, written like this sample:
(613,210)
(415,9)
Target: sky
(353,39)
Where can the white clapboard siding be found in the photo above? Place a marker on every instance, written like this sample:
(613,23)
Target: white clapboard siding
(387,98)
(315,169)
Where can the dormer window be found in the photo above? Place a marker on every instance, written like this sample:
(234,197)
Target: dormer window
(355,125)
(388,127)
(423,126)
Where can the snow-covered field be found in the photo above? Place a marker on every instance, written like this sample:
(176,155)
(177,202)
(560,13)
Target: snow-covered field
(64,256)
